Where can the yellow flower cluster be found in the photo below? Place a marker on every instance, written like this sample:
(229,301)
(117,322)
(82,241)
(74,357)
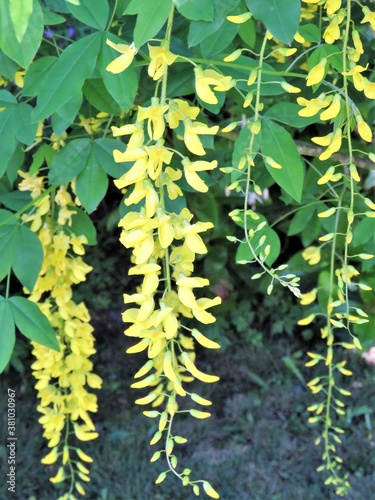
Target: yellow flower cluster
(62,377)
(164,246)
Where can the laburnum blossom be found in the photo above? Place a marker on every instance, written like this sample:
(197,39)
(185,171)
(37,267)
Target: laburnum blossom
(122,62)
(207,78)
(312,106)
(369,17)
(332,140)
(154,115)
(178,110)
(63,377)
(312,255)
(316,74)
(191,169)
(191,135)
(161,57)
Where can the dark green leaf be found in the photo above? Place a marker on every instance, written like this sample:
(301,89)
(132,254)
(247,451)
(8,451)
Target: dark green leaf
(278,144)
(151,17)
(28,257)
(92,183)
(93,15)
(7,240)
(21,52)
(51,19)
(64,116)
(310,33)
(364,231)
(7,140)
(280,17)
(7,66)
(301,219)
(57,5)
(122,86)
(32,323)
(82,224)
(69,161)
(103,150)
(44,153)
(6,98)
(199,30)
(35,74)
(247,33)
(7,333)
(65,78)
(196,10)
(96,93)
(15,200)
(16,161)
(24,129)
(219,40)
(287,112)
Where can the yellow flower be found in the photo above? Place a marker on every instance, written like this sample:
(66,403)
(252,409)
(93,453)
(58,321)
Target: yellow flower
(332,32)
(179,110)
(363,129)
(155,116)
(241,18)
(332,6)
(124,61)
(191,169)
(157,155)
(333,140)
(369,17)
(316,73)
(135,130)
(161,58)
(313,106)
(209,77)
(311,255)
(191,135)
(308,298)
(333,110)
(358,79)
(369,88)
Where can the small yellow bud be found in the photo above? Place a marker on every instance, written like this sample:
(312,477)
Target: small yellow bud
(240,19)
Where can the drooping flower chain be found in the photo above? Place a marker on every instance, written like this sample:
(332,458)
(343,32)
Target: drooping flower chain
(164,246)
(62,377)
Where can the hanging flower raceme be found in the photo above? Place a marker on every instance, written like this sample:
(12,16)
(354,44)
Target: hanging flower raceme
(64,377)
(164,244)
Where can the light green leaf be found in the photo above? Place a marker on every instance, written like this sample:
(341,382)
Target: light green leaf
(281,17)
(65,78)
(21,52)
(32,323)
(6,98)
(278,144)
(28,257)
(151,17)
(7,236)
(196,10)
(7,66)
(92,183)
(51,19)
(69,161)
(90,14)
(7,333)
(20,12)
(122,86)
(219,40)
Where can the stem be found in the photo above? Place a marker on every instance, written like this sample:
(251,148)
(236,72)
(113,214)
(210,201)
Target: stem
(112,16)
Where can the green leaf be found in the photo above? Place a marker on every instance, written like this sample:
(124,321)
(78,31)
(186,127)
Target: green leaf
(28,257)
(21,52)
(287,112)
(92,15)
(278,144)
(103,150)
(219,40)
(7,333)
(32,323)
(301,219)
(7,66)
(82,224)
(310,33)
(69,161)
(7,140)
(244,252)
(15,200)
(57,5)
(364,231)
(92,183)
(151,17)
(199,30)
(51,19)
(280,17)
(24,129)
(35,74)
(247,32)
(96,93)
(122,86)
(64,116)
(20,13)
(196,10)
(44,153)
(7,234)
(65,78)
(6,98)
